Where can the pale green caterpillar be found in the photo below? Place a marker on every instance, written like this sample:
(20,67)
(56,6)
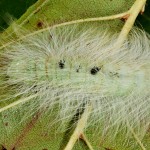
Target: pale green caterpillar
(70,67)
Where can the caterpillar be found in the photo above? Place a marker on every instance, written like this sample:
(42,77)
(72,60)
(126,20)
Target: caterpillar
(69,67)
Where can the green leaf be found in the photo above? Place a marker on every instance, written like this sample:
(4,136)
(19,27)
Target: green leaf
(34,132)
(56,12)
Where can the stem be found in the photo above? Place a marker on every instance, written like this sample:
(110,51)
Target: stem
(70,23)
(133,13)
(79,129)
(17,102)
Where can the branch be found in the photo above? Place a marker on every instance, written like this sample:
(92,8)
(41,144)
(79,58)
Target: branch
(133,13)
(17,102)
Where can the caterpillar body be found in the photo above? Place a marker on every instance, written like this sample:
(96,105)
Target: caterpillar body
(68,67)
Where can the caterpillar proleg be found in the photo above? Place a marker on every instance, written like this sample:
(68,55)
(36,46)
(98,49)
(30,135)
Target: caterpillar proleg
(69,67)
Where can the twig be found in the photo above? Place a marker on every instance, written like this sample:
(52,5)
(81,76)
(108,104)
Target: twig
(133,13)
(79,129)
(17,102)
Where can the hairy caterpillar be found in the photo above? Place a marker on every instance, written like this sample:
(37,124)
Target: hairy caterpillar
(70,67)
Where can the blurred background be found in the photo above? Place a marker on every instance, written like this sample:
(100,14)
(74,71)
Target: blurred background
(15,8)
(18,7)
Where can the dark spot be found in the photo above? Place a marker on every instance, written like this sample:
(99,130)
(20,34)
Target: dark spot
(40,24)
(51,36)
(5,116)
(6,124)
(45,149)
(35,89)
(77,70)
(125,18)
(108,149)
(122,19)
(61,64)
(95,70)
(3,148)
(14,148)
(6,77)
(88,44)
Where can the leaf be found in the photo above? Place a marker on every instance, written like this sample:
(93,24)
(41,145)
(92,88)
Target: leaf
(34,132)
(56,12)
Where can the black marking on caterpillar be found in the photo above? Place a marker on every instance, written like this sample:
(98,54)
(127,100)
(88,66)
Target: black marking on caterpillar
(77,70)
(51,36)
(95,70)
(61,64)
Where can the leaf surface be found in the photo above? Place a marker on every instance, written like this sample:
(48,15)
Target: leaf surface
(34,132)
